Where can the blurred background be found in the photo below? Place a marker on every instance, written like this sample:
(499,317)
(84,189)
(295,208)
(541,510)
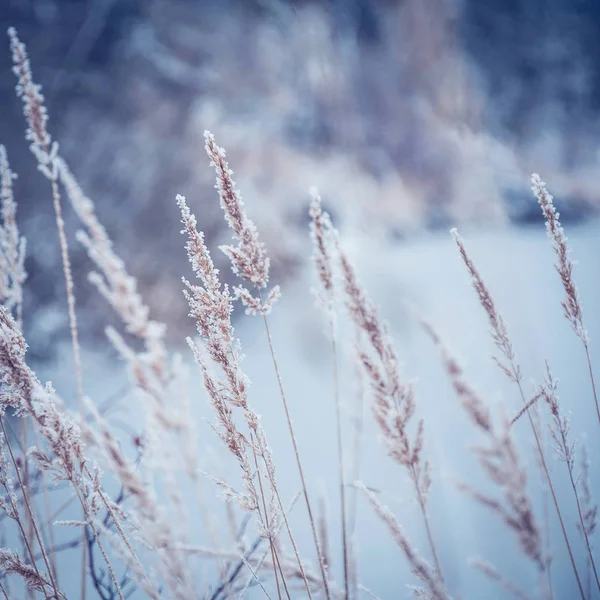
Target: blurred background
(407,115)
(411,116)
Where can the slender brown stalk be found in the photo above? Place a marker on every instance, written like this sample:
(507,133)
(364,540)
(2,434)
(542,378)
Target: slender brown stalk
(546,506)
(255,576)
(68,275)
(289,531)
(276,554)
(66,262)
(259,563)
(287,524)
(298,461)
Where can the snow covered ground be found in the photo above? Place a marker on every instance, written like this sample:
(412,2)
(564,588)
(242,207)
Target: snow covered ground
(425,270)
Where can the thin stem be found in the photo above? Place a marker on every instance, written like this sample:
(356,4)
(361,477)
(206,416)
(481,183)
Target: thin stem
(298,461)
(422,504)
(222,587)
(340,449)
(224,584)
(259,563)
(255,576)
(582,523)
(369,593)
(118,525)
(589,362)
(289,530)
(28,505)
(266,517)
(66,263)
(108,564)
(100,546)
(548,543)
(253,446)
(276,555)
(68,275)
(550,485)
(23,449)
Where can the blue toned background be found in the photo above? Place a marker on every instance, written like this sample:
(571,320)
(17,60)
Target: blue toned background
(411,117)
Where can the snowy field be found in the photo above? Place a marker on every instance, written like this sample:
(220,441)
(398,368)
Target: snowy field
(426,271)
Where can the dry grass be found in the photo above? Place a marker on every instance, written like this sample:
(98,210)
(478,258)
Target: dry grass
(134,519)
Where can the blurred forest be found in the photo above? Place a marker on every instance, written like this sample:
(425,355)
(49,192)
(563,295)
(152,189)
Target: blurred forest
(407,114)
